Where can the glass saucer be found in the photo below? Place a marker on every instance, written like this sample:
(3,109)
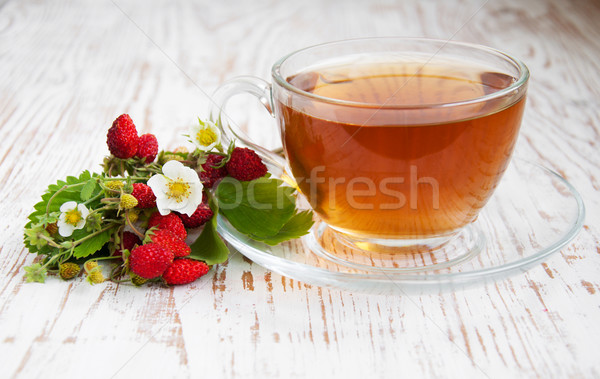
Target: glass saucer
(533,213)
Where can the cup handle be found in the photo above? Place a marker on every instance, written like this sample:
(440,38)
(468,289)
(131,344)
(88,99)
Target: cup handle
(257,87)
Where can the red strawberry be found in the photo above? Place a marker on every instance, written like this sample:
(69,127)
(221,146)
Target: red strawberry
(200,216)
(122,138)
(147,148)
(244,164)
(144,195)
(184,271)
(170,222)
(209,174)
(128,241)
(150,260)
(169,240)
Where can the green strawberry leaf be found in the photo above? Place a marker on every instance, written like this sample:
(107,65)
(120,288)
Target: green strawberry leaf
(263,209)
(35,273)
(296,227)
(209,247)
(88,189)
(56,195)
(63,191)
(258,208)
(92,244)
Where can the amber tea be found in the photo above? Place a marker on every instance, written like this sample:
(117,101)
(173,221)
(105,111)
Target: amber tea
(379,153)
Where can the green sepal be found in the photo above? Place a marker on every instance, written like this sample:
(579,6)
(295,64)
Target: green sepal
(35,273)
(33,236)
(93,222)
(149,233)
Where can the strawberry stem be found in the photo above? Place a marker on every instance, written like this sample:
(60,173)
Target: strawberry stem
(93,199)
(91,235)
(131,225)
(50,241)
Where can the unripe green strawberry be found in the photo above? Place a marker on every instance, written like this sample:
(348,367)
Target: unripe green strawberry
(170,157)
(68,270)
(127,201)
(134,215)
(90,265)
(95,277)
(94,272)
(137,280)
(114,185)
(52,229)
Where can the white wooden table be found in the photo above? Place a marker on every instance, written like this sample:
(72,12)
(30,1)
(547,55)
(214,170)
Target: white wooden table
(68,68)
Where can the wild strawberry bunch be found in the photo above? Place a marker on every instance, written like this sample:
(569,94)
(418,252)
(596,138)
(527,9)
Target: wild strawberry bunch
(140,213)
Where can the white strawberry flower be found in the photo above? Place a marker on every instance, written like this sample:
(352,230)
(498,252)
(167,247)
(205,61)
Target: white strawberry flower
(178,188)
(205,135)
(72,217)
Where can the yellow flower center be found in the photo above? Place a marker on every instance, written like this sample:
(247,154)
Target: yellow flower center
(73,217)
(206,137)
(178,190)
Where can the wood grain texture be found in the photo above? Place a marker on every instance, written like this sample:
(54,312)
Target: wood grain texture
(70,67)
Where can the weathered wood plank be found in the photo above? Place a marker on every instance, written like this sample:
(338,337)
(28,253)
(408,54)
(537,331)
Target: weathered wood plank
(70,67)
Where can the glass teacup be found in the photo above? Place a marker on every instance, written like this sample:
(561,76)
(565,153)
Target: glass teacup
(397,143)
